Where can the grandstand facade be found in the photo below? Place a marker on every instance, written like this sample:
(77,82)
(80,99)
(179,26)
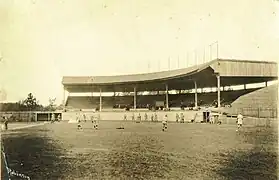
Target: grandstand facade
(216,74)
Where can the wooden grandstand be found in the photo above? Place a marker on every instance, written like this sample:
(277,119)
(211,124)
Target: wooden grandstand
(218,73)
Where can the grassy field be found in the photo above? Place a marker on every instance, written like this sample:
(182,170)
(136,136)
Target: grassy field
(143,151)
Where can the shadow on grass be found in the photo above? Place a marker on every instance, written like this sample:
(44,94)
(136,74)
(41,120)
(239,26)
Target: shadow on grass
(258,163)
(139,158)
(33,154)
(130,157)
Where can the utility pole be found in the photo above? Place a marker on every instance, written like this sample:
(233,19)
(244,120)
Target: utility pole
(169,63)
(217,50)
(196,57)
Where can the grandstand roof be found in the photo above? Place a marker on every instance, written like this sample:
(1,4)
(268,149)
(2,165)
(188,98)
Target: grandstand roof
(232,72)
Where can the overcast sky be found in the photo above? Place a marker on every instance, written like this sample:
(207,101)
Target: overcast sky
(41,41)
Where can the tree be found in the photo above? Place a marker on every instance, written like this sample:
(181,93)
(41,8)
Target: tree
(51,106)
(60,107)
(31,102)
(21,106)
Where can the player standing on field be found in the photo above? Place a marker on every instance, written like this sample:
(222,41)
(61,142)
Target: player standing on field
(92,120)
(78,121)
(152,117)
(164,123)
(52,118)
(239,121)
(177,117)
(181,118)
(5,123)
(156,117)
(96,123)
(211,118)
(145,117)
(59,117)
(84,117)
(138,118)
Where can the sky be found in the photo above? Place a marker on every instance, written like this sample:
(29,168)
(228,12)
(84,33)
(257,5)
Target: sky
(43,40)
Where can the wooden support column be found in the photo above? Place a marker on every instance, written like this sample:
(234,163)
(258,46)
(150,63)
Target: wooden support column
(100,105)
(218,90)
(167,96)
(196,94)
(135,98)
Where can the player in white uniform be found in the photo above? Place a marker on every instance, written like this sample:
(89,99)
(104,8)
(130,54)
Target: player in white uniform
(211,118)
(78,121)
(155,117)
(164,123)
(145,117)
(133,117)
(181,118)
(52,118)
(125,117)
(239,121)
(177,117)
(138,118)
(59,117)
(84,117)
(96,121)
(92,120)
(96,124)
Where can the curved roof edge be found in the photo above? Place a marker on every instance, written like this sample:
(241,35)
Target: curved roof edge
(154,76)
(162,75)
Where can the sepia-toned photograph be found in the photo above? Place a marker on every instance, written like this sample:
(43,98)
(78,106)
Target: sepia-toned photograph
(139,89)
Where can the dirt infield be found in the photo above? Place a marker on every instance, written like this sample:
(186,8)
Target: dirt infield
(143,151)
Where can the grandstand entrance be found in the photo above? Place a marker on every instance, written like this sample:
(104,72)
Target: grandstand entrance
(206,116)
(46,116)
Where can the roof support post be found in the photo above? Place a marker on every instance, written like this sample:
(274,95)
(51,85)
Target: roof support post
(266,84)
(92,98)
(167,96)
(100,105)
(244,86)
(196,94)
(135,98)
(218,90)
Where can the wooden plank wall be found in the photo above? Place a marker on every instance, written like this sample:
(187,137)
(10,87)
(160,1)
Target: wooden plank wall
(245,68)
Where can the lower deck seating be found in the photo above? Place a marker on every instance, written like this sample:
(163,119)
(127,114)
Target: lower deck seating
(175,100)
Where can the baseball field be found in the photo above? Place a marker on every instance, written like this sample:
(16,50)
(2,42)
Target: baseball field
(142,151)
